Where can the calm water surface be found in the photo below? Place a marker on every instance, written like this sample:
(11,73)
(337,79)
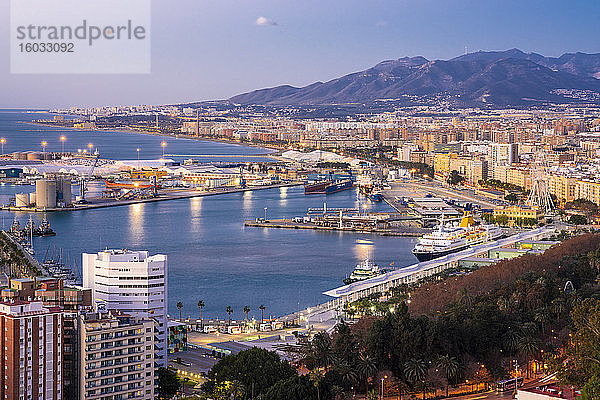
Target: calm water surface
(212,256)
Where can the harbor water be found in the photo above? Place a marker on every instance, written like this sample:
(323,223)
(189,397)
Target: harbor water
(212,256)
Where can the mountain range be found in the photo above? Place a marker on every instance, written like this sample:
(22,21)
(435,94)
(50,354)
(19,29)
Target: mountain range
(495,78)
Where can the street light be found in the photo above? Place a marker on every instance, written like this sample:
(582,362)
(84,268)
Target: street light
(382,385)
(44,144)
(265,213)
(62,141)
(90,146)
(163,145)
(138,155)
(2,141)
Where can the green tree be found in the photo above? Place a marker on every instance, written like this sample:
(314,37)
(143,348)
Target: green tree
(415,371)
(583,351)
(529,346)
(262,310)
(455,178)
(179,307)
(246,311)
(229,311)
(450,367)
(168,383)
(254,368)
(577,219)
(366,368)
(295,388)
(201,306)
(316,377)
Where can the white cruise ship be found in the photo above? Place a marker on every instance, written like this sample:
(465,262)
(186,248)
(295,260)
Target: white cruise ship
(450,238)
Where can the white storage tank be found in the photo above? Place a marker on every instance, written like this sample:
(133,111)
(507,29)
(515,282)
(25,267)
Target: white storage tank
(45,193)
(21,200)
(32,198)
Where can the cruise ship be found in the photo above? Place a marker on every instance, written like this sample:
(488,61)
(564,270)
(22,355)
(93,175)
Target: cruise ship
(450,238)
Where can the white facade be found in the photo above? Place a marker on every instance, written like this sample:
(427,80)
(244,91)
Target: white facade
(132,282)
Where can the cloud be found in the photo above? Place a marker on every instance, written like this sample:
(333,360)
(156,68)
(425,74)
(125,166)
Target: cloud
(263,21)
(381,24)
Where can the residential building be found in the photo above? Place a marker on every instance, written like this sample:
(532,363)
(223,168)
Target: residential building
(51,292)
(515,213)
(117,356)
(134,283)
(31,351)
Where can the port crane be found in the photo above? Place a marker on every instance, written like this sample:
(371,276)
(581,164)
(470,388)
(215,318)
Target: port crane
(91,174)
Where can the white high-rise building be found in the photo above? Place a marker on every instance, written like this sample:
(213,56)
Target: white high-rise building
(132,282)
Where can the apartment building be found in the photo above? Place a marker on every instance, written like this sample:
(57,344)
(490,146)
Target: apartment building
(31,351)
(134,283)
(117,356)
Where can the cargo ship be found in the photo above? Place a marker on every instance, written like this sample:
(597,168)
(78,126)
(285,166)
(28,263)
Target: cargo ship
(338,186)
(322,184)
(316,187)
(451,238)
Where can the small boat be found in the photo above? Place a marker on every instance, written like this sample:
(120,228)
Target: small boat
(365,270)
(376,195)
(44,229)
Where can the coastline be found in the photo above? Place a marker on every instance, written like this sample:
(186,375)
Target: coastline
(158,134)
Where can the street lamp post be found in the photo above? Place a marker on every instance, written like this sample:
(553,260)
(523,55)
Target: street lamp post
(382,386)
(44,144)
(265,213)
(138,155)
(163,145)
(2,141)
(90,146)
(62,142)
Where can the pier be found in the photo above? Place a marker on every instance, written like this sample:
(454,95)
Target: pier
(164,195)
(414,273)
(359,227)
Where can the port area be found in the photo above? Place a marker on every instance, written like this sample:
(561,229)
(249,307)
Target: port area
(347,220)
(162,195)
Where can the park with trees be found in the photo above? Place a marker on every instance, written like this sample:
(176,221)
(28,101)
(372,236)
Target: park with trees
(450,334)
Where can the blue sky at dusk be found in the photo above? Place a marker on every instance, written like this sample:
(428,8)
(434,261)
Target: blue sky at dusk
(205,50)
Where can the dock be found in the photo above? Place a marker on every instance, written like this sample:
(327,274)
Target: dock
(164,196)
(414,273)
(291,224)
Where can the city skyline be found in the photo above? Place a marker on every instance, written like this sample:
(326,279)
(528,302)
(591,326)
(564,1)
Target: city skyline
(219,50)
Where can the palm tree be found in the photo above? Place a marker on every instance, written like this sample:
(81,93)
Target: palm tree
(201,307)
(316,376)
(322,352)
(246,311)
(262,310)
(229,310)
(528,346)
(179,307)
(541,316)
(366,368)
(558,307)
(415,371)
(450,367)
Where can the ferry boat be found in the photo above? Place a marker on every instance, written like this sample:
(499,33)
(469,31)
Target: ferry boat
(450,238)
(365,270)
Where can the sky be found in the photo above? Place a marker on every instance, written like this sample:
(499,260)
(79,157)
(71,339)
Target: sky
(207,50)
